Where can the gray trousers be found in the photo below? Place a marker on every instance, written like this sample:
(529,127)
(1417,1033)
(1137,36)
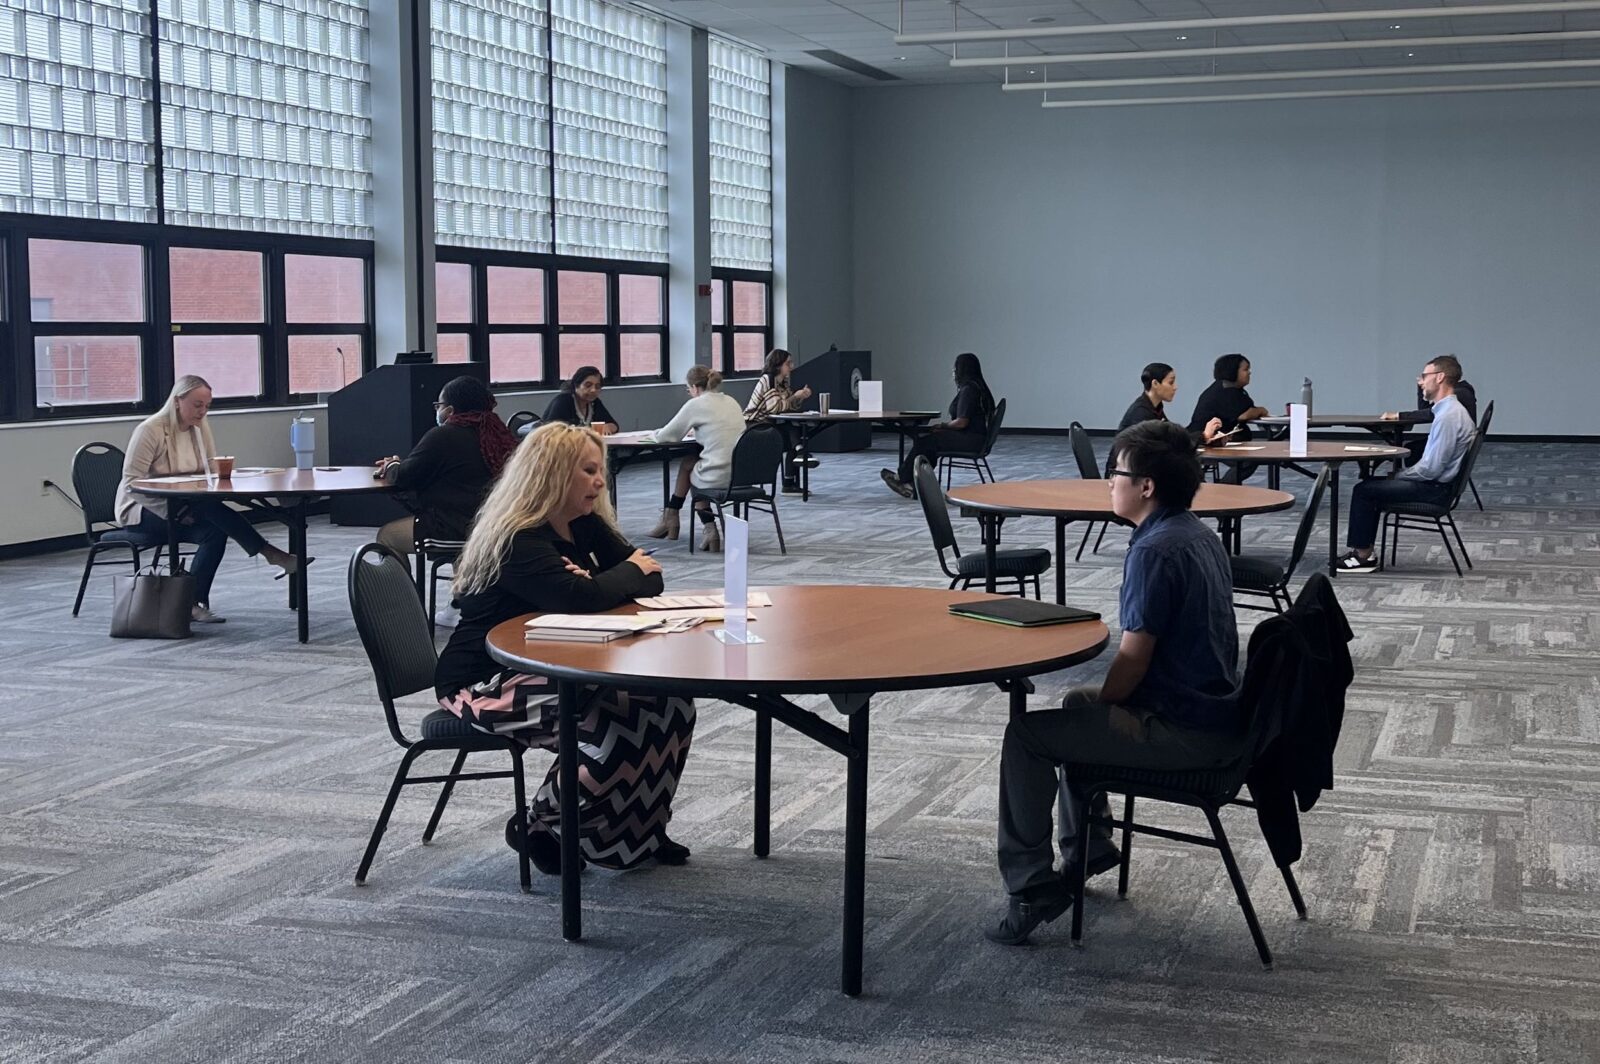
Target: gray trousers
(1085,730)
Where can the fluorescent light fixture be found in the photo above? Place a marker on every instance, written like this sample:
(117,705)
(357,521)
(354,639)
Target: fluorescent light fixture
(1300,75)
(953,36)
(1134,54)
(1414,90)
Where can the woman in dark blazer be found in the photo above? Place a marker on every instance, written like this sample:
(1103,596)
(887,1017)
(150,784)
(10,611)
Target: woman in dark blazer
(578,403)
(445,477)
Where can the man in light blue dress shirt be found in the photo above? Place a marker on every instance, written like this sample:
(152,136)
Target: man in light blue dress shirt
(1430,480)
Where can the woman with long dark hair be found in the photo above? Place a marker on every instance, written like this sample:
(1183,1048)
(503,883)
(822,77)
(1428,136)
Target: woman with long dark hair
(578,402)
(774,395)
(445,477)
(964,433)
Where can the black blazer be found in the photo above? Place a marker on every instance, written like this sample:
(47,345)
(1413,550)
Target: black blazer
(443,481)
(564,407)
(1466,394)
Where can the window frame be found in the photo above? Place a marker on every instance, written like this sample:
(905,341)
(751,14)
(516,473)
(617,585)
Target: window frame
(156,240)
(725,276)
(551,329)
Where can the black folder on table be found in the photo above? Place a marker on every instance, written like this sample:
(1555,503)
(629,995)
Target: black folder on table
(1021,612)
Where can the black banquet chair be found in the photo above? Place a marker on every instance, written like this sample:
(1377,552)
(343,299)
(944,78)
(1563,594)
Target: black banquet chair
(753,480)
(522,422)
(399,647)
(1019,564)
(1438,517)
(1088,469)
(96,474)
(977,461)
(1256,574)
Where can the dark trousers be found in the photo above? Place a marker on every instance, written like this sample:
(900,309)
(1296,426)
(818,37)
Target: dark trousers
(1090,732)
(1371,497)
(931,445)
(212,526)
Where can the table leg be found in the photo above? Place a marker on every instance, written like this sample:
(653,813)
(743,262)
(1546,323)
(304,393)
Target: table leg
(1333,517)
(299,582)
(763,782)
(805,467)
(1274,477)
(567,772)
(666,479)
(989,524)
(1019,697)
(174,514)
(612,469)
(1061,561)
(855,853)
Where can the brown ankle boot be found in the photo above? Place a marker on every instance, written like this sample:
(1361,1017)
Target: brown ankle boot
(667,526)
(712,543)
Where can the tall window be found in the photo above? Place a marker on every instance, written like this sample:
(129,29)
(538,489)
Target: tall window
(218,306)
(491,123)
(266,116)
(741,157)
(325,312)
(89,317)
(741,322)
(75,98)
(610,78)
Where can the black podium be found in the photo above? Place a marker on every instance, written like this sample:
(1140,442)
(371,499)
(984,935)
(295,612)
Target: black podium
(382,413)
(837,373)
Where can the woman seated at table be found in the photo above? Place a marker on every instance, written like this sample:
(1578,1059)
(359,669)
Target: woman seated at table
(1160,386)
(717,422)
(1227,400)
(965,432)
(578,403)
(772,395)
(445,477)
(546,541)
(174,440)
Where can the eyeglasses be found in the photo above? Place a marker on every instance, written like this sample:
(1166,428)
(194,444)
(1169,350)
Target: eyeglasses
(1425,374)
(438,404)
(1122,473)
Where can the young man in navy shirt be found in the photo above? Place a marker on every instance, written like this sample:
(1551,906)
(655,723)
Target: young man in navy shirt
(1168,698)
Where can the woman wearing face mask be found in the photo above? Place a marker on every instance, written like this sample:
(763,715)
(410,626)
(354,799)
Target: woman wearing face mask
(445,477)
(578,403)
(546,541)
(1160,385)
(177,439)
(964,433)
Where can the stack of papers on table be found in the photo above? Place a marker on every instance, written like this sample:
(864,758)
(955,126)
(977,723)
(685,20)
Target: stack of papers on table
(699,602)
(578,628)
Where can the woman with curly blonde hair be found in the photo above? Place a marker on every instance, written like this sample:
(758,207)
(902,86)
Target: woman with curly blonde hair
(546,541)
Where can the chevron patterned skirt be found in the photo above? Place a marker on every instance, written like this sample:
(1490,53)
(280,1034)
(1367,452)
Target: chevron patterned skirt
(631,752)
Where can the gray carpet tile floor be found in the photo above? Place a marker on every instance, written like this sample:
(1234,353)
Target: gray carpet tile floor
(180,824)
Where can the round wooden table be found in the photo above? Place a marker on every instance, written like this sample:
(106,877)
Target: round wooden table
(284,493)
(846,642)
(1089,500)
(1332,453)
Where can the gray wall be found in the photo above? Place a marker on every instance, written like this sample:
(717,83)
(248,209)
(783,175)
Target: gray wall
(813,217)
(1344,240)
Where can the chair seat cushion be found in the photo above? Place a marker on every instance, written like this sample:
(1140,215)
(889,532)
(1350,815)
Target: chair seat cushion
(1419,509)
(133,538)
(1255,572)
(444,725)
(726,495)
(1022,561)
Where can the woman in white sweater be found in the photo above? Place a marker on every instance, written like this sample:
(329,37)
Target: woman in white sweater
(176,439)
(717,422)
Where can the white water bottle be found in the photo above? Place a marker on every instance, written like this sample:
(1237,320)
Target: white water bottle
(303,441)
(1305,395)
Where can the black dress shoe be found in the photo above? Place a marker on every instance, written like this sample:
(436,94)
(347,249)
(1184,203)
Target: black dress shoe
(542,848)
(1098,864)
(671,853)
(1038,905)
(896,485)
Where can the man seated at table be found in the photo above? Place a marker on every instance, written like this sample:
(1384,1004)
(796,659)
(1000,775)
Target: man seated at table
(1466,395)
(1168,698)
(1429,480)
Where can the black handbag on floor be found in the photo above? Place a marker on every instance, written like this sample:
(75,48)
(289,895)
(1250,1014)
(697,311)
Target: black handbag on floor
(152,604)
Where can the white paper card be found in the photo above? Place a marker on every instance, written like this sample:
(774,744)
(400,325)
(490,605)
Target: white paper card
(1298,413)
(869,397)
(688,602)
(736,582)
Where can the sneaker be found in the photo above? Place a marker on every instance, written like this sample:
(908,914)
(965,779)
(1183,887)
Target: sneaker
(896,485)
(200,613)
(1038,905)
(446,617)
(1353,564)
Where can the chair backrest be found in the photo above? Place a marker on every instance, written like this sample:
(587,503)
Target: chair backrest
(393,627)
(756,457)
(1488,416)
(1308,520)
(996,419)
(935,510)
(1464,474)
(1083,451)
(522,422)
(96,475)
